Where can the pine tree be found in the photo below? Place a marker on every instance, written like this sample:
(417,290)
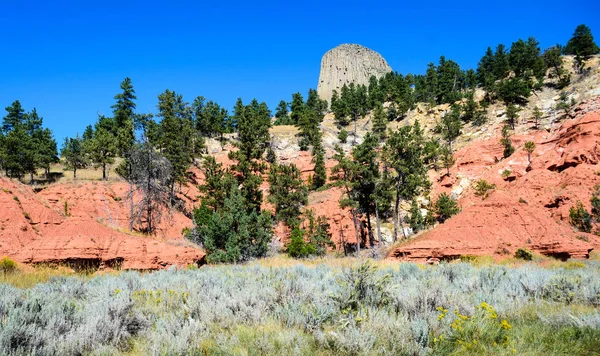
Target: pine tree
(217,183)
(176,135)
(233,233)
(451,125)
(404,153)
(416,220)
(282,114)
(343,175)
(367,174)
(287,192)
(103,147)
(73,154)
(447,158)
(582,43)
(297,108)
(529,147)
(339,107)
(253,123)
(318,159)
(514,91)
(445,207)
(310,118)
(379,122)
(512,115)
(554,61)
(506,142)
(123,112)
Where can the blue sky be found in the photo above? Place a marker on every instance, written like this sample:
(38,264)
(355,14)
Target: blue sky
(67,58)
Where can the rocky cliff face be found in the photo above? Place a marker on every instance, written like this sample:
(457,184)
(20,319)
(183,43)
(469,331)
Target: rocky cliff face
(530,207)
(349,63)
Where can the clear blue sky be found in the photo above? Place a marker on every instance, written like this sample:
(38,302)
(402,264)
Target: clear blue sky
(67,58)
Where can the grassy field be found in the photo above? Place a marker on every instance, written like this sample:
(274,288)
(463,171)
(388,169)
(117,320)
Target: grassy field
(274,306)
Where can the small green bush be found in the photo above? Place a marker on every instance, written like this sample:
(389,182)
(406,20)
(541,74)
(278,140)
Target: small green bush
(580,218)
(8,265)
(445,207)
(483,188)
(343,136)
(523,254)
(298,248)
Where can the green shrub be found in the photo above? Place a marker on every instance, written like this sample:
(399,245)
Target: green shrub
(481,333)
(523,254)
(298,247)
(343,136)
(8,265)
(580,218)
(483,188)
(445,207)
(506,173)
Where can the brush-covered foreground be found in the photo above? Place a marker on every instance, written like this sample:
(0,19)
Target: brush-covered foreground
(310,309)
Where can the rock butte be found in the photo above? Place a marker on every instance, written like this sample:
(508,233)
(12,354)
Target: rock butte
(349,63)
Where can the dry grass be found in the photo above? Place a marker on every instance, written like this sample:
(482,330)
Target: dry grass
(282,261)
(66,176)
(28,276)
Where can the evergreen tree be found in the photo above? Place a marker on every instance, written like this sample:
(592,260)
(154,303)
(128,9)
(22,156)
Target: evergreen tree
(318,159)
(287,192)
(217,183)
(123,112)
(47,149)
(73,154)
(416,220)
(366,175)
(554,61)
(529,147)
(446,158)
(525,61)
(485,71)
(404,153)
(451,125)
(253,123)
(501,62)
(310,118)
(514,91)
(27,146)
(233,233)
(176,135)
(449,81)
(470,108)
(339,107)
(343,175)
(445,207)
(297,108)
(392,113)
(379,122)
(512,115)
(582,43)
(103,147)
(506,142)
(88,133)
(282,114)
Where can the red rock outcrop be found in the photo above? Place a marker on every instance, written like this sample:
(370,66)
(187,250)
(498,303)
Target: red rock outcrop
(35,229)
(530,210)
